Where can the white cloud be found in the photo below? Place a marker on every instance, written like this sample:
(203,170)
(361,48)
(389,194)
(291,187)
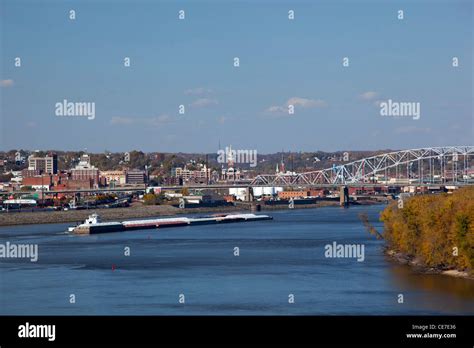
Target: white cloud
(297,102)
(203,102)
(158,120)
(372,97)
(6,83)
(121,120)
(369,95)
(198,91)
(275,109)
(306,103)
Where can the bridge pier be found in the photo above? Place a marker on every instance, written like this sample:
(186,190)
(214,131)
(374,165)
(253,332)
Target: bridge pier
(255,207)
(249,194)
(344,196)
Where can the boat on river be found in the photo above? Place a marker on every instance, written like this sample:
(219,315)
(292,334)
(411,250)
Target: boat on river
(94,225)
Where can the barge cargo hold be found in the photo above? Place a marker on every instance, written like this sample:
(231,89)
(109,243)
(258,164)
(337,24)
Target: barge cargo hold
(93,225)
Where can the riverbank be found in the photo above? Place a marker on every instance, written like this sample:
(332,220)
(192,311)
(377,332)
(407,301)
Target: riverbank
(135,211)
(417,265)
(114,214)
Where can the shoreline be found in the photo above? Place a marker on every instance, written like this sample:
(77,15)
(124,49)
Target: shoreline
(417,266)
(132,212)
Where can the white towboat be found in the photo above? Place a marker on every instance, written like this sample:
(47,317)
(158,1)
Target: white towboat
(92,219)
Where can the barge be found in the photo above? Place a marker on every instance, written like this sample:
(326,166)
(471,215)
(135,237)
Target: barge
(94,225)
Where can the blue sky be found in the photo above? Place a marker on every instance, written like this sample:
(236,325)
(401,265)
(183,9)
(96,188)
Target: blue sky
(190,62)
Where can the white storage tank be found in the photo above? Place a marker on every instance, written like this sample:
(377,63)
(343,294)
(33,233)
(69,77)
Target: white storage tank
(266,190)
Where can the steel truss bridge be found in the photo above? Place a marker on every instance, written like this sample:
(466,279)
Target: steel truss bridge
(424,166)
(449,165)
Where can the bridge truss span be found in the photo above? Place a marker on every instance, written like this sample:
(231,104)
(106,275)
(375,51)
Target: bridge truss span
(430,165)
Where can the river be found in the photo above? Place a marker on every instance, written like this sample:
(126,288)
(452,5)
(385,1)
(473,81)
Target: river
(281,269)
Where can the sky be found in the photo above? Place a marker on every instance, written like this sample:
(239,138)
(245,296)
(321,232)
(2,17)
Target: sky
(190,62)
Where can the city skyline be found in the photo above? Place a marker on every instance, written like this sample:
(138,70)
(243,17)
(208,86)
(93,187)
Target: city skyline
(283,62)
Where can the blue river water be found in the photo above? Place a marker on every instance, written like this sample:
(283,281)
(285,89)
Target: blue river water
(279,260)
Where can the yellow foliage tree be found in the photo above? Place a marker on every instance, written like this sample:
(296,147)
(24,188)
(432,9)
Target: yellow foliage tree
(437,229)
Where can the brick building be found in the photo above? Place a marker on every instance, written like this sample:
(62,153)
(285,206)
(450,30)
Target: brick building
(38,182)
(85,171)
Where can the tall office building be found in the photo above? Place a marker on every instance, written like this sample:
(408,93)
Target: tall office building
(47,164)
